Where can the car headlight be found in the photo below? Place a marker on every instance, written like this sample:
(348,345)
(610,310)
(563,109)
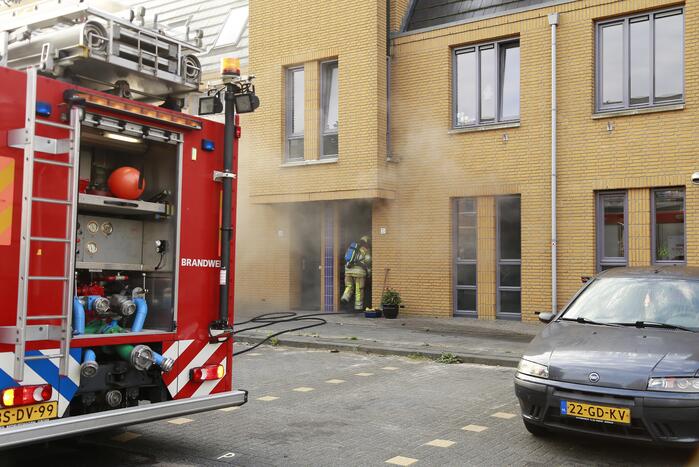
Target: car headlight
(533,369)
(674,384)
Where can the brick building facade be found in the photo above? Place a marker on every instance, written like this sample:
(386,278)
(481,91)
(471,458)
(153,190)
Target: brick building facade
(458,205)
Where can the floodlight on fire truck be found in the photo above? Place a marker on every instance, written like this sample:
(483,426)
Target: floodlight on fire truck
(210,105)
(246,103)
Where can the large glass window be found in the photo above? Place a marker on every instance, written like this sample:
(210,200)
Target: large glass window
(486,84)
(295,114)
(611,230)
(329,112)
(234,27)
(465,257)
(509,240)
(668,225)
(640,60)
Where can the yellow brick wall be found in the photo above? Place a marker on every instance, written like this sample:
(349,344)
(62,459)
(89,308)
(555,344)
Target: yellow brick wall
(641,151)
(291,32)
(638,200)
(413,198)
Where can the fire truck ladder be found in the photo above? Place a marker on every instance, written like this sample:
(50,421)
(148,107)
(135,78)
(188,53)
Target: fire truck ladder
(27,139)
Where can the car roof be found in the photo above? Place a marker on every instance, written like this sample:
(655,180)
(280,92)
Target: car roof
(674,271)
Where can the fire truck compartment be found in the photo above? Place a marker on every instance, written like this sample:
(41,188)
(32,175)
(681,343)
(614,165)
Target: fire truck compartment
(128,247)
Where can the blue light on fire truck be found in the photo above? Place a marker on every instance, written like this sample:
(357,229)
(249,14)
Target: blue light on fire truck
(207,145)
(43,109)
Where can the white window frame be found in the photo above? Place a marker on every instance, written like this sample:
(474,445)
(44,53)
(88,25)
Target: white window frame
(625,22)
(499,47)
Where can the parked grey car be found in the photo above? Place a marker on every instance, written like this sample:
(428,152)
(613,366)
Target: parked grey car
(621,360)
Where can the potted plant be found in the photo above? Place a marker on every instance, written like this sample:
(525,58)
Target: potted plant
(390,302)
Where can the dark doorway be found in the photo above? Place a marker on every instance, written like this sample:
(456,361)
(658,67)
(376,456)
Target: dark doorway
(308,256)
(355,221)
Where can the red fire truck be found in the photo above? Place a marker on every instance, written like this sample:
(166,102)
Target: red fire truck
(116,218)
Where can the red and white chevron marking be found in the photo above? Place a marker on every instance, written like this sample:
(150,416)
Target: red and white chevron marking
(190,354)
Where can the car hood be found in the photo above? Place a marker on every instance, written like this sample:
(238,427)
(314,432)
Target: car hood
(623,357)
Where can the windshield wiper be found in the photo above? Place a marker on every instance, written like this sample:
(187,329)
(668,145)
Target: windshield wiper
(582,320)
(655,324)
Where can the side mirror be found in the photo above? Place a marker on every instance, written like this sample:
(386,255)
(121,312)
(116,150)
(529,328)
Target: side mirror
(546,316)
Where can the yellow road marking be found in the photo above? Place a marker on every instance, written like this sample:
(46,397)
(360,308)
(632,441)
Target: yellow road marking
(267,398)
(364,374)
(229,409)
(400,460)
(180,421)
(125,437)
(303,389)
(475,428)
(505,415)
(336,381)
(390,368)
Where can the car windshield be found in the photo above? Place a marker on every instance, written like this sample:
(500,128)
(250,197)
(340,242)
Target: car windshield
(661,301)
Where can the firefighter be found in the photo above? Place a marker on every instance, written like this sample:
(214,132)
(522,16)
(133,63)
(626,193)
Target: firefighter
(357,269)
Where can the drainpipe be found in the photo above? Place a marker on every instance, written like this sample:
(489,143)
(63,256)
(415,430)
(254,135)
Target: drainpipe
(553,22)
(389,158)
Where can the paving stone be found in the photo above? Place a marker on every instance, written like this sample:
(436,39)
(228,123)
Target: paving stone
(400,460)
(440,443)
(180,421)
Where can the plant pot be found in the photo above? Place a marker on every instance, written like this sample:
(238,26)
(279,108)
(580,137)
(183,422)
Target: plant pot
(390,311)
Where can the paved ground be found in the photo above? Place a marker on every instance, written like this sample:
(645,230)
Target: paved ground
(312,407)
(474,341)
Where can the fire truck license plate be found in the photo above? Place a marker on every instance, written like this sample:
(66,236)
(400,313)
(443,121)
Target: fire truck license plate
(30,413)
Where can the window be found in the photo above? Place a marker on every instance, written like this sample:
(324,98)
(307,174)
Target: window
(611,230)
(233,28)
(329,109)
(667,216)
(465,256)
(486,84)
(294,114)
(509,241)
(640,60)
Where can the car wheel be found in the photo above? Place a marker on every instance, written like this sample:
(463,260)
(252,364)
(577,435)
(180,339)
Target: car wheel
(536,430)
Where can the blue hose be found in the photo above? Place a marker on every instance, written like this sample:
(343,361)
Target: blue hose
(158,358)
(165,363)
(78,317)
(89,356)
(140,315)
(89,366)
